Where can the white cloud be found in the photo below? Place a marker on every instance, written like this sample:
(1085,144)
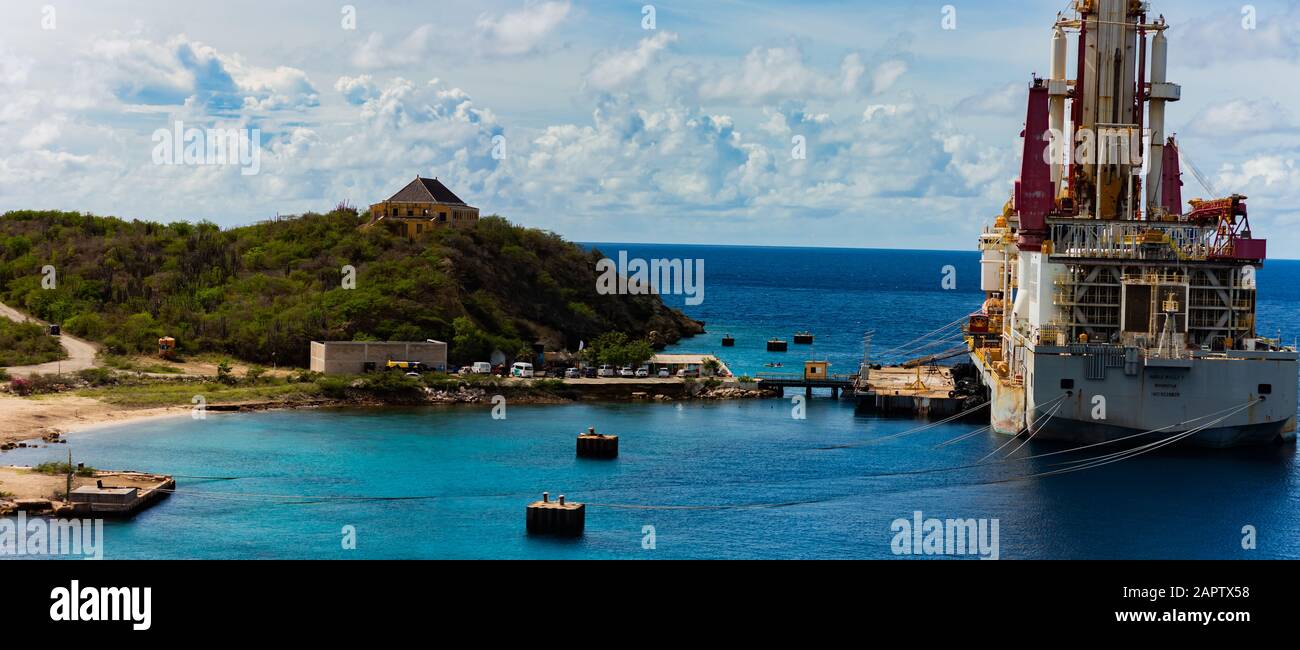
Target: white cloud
(1242,117)
(1008,100)
(356,90)
(137,70)
(1221,38)
(887,74)
(769,75)
(13,69)
(617,70)
(1271,174)
(40,135)
(379,51)
(522,31)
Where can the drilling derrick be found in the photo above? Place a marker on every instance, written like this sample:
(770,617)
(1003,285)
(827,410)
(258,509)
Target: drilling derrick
(1098,278)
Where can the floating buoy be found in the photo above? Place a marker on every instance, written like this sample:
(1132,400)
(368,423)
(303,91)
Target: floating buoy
(558,518)
(595,445)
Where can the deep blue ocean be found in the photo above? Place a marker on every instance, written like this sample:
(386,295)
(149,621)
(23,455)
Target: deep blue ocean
(703,480)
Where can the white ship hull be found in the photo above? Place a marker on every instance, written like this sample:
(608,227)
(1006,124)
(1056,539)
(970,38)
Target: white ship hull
(1158,399)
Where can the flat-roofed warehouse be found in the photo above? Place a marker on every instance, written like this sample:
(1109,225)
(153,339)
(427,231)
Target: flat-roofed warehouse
(356,357)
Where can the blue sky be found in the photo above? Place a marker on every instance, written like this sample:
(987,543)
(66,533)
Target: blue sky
(612,132)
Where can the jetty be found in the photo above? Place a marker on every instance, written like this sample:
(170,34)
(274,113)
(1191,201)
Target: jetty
(816,374)
(97,493)
(917,387)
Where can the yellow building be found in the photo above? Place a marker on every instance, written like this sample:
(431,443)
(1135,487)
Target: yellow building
(421,206)
(815,370)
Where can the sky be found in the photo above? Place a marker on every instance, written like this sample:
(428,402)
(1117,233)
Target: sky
(591,120)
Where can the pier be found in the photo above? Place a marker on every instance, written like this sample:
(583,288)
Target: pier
(917,387)
(778,381)
(101,493)
(928,392)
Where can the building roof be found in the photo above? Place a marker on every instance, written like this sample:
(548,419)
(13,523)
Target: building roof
(680,359)
(425,190)
(91,489)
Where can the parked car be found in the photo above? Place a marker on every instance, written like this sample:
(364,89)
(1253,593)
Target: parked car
(524,370)
(688,372)
(589,373)
(627,372)
(664,374)
(643,372)
(605,371)
(479,368)
(572,373)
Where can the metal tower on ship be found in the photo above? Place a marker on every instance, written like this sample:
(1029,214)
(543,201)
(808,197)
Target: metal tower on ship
(1113,310)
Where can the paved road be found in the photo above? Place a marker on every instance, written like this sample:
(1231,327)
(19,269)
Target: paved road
(81,354)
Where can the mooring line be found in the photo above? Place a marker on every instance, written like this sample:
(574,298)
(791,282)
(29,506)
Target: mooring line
(908,432)
(1056,404)
(1125,455)
(962,437)
(923,337)
(937,470)
(1034,430)
(741,506)
(1235,410)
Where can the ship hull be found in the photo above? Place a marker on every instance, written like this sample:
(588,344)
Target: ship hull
(1074,398)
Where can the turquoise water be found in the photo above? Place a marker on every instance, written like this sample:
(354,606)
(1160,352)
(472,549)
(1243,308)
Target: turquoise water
(714,480)
(484,471)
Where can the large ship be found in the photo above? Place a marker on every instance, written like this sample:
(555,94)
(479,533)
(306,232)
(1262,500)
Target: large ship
(1113,311)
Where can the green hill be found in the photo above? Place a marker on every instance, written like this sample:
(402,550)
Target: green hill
(27,344)
(262,292)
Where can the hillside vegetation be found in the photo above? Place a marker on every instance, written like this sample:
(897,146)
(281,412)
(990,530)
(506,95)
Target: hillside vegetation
(27,344)
(263,292)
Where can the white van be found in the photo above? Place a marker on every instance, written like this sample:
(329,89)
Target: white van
(481,368)
(524,370)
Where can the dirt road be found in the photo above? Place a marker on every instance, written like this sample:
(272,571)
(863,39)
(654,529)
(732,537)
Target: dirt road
(81,354)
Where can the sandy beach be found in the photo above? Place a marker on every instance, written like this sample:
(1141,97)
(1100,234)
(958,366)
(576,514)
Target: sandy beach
(25,419)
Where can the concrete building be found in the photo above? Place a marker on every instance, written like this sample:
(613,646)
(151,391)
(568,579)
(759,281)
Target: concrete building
(356,357)
(688,362)
(421,206)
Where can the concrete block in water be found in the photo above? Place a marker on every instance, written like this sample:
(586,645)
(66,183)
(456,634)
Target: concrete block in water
(558,518)
(594,445)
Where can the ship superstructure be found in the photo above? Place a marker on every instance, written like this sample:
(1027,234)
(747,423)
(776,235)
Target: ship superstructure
(1112,309)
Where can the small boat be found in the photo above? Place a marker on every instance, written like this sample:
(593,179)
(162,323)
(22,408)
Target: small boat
(728,341)
(803,338)
(774,365)
(777,345)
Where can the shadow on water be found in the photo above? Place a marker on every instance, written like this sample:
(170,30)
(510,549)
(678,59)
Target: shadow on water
(1181,501)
